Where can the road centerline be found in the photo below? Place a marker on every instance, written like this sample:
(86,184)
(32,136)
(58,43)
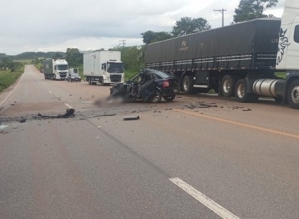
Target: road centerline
(206,201)
(240,124)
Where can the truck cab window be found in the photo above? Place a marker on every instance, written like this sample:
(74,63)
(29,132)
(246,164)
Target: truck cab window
(115,67)
(296,35)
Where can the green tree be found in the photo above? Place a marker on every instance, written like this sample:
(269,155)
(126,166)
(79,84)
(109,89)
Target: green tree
(6,63)
(252,9)
(151,36)
(74,57)
(132,57)
(187,25)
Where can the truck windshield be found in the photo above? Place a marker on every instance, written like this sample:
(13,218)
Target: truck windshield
(115,67)
(62,67)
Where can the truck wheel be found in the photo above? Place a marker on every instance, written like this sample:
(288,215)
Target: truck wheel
(187,84)
(293,94)
(228,86)
(241,92)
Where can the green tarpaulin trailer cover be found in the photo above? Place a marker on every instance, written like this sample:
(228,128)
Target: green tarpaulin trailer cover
(257,40)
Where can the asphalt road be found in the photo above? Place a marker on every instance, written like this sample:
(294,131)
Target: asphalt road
(198,157)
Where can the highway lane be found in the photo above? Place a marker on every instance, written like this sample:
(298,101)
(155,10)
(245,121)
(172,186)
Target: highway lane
(244,160)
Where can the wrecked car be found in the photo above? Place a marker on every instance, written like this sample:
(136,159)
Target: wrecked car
(149,85)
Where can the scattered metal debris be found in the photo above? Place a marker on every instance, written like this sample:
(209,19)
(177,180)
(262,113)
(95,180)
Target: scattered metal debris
(131,117)
(22,120)
(69,113)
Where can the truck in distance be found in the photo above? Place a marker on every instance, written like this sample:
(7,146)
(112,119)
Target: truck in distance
(104,67)
(55,69)
(239,60)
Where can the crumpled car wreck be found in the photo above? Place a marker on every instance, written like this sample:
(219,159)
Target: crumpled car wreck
(149,85)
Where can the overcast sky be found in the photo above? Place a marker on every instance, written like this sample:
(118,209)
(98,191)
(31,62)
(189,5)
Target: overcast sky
(44,25)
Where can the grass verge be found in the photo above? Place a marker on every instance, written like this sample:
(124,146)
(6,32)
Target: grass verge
(281,75)
(129,74)
(7,78)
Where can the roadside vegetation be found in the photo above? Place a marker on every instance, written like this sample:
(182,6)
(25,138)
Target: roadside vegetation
(281,75)
(10,71)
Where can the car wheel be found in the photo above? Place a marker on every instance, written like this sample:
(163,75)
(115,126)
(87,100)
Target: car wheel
(156,97)
(169,98)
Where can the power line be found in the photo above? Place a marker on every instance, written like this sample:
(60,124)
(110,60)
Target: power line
(222,11)
(122,42)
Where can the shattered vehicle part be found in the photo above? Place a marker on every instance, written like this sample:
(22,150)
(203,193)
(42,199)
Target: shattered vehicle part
(131,118)
(69,113)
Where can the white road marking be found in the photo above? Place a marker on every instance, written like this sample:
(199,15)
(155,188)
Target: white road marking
(50,92)
(12,90)
(209,203)
(69,106)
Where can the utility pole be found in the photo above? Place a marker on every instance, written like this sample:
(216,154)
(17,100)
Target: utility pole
(222,11)
(122,42)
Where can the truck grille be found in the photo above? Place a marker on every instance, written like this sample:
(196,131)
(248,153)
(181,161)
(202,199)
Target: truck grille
(115,78)
(62,74)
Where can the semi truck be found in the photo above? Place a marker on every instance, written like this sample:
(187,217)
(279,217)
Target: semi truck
(104,67)
(242,60)
(55,69)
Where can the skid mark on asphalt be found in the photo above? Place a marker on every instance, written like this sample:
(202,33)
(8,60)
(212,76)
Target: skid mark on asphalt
(206,201)
(239,124)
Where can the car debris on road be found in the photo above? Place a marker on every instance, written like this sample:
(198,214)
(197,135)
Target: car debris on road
(126,118)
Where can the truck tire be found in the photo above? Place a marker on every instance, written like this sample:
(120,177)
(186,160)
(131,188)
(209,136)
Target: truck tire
(228,86)
(187,84)
(241,92)
(293,94)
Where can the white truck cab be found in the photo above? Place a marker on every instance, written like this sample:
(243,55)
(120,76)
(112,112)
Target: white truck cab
(288,47)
